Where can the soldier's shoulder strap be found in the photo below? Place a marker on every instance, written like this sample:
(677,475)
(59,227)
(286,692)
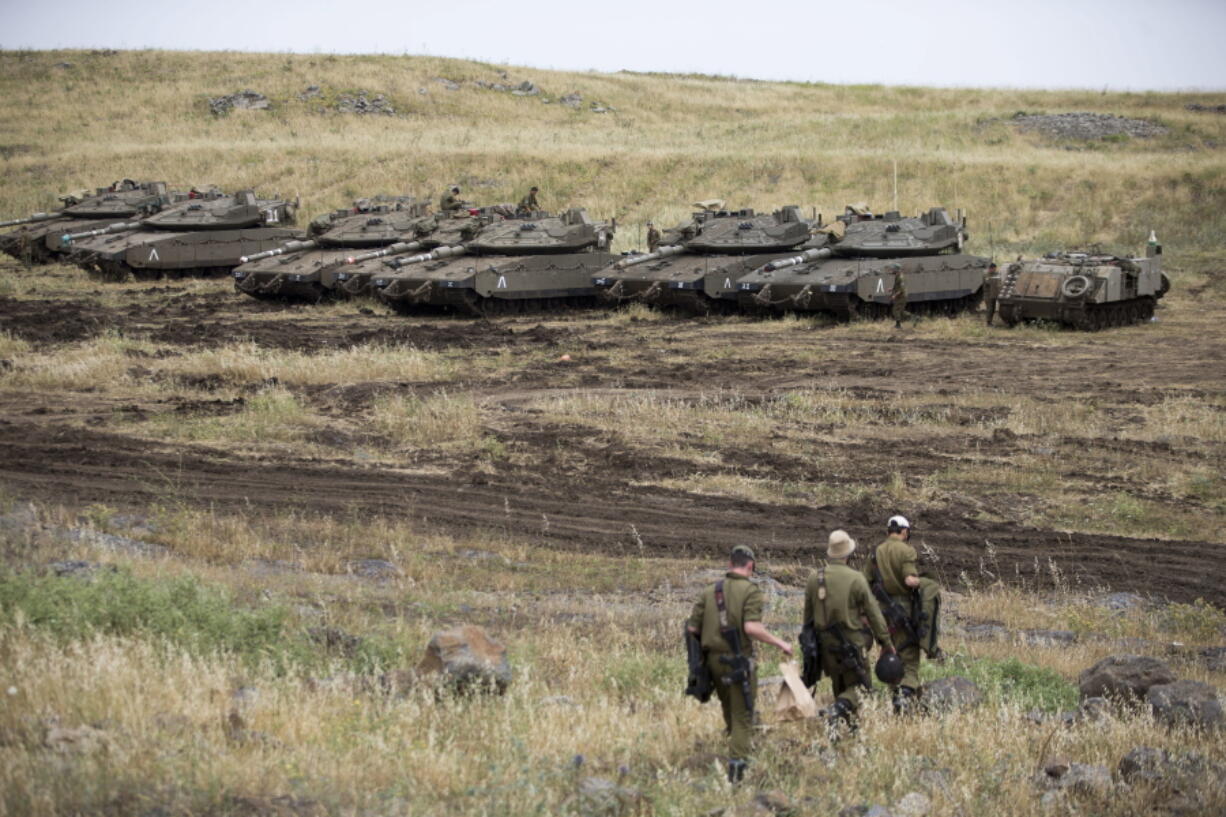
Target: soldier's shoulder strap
(721,604)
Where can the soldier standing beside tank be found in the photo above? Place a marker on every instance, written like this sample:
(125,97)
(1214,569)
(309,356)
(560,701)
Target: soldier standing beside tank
(528,204)
(727,618)
(991,288)
(911,605)
(898,295)
(837,603)
(653,237)
(450,202)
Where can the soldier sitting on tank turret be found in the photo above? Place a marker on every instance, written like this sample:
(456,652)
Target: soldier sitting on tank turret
(450,201)
(528,204)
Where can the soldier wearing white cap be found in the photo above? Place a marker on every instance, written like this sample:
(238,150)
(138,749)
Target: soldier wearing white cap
(894,566)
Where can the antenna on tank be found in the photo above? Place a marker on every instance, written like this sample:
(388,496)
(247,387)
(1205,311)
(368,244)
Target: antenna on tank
(895,185)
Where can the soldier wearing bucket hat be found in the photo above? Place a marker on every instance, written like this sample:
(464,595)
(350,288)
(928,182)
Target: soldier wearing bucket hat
(911,604)
(837,602)
(728,618)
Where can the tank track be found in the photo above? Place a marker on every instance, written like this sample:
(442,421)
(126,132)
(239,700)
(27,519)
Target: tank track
(1092,317)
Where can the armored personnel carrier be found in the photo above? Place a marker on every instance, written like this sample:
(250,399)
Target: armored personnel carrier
(512,265)
(206,235)
(699,262)
(853,276)
(296,269)
(82,211)
(1085,290)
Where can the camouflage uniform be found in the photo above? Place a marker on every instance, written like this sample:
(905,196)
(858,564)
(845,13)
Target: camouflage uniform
(743,601)
(991,288)
(898,297)
(895,560)
(528,204)
(653,238)
(450,202)
(848,603)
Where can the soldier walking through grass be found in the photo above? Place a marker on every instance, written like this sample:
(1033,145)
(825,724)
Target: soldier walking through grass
(727,618)
(838,604)
(910,603)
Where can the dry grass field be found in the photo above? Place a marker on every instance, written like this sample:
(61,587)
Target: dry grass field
(564,480)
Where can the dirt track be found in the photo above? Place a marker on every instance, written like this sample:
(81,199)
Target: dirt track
(572,487)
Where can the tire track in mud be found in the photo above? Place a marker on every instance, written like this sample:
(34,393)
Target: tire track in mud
(593,511)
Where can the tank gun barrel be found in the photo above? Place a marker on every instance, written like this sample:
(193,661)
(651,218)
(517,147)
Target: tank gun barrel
(290,247)
(441,252)
(391,249)
(803,258)
(662,252)
(121,227)
(31,219)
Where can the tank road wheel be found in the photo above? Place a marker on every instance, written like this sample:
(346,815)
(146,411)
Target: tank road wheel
(1147,310)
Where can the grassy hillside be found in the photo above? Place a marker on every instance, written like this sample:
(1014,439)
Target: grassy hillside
(275,506)
(76,119)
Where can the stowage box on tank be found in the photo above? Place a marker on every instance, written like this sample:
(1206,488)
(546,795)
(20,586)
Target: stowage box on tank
(1085,290)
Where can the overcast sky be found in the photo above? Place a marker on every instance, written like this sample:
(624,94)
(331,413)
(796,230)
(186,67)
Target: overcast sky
(1116,44)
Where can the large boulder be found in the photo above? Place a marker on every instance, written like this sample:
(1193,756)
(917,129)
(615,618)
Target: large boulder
(1189,703)
(1126,677)
(466,658)
(954,692)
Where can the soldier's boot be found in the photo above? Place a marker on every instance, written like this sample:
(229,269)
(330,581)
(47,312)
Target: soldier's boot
(898,324)
(840,720)
(904,700)
(736,770)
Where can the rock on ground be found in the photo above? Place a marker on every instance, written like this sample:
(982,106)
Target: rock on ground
(361,103)
(913,804)
(1124,676)
(246,100)
(1189,703)
(599,797)
(1085,125)
(1078,778)
(467,658)
(954,692)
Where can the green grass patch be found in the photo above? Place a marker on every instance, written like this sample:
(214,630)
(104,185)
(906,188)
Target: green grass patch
(1010,681)
(181,612)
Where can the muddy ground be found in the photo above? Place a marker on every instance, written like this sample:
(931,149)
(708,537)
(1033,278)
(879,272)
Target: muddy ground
(573,487)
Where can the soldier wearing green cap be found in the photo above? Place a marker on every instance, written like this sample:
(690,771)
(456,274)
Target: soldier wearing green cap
(898,295)
(732,608)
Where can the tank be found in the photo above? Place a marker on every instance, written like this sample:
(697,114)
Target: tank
(204,236)
(699,261)
(83,211)
(295,270)
(1087,290)
(853,275)
(353,278)
(515,264)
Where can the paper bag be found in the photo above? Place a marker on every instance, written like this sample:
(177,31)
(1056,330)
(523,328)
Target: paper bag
(793,703)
